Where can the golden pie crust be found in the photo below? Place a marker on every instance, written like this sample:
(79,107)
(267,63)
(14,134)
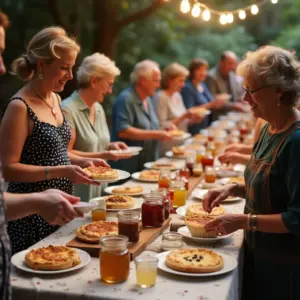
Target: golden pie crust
(92,232)
(200,138)
(150,174)
(194,260)
(102,172)
(128,189)
(119,201)
(168,166)
(177,133)
(197,210)
(178,151)
(52,258)
(239,180)
(195,225)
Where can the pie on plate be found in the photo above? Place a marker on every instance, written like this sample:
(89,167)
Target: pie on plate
(177,133)
(169,166)
(52,258)
(194,260)
(197,210)
(119,202)
(102,172)
(178,151)
(239,180)
(92,232)
(150,175)
(195,225)
(128,189)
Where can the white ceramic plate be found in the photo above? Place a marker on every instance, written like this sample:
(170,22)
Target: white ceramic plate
(129,150)
(219,183)
(109,189)
(183,137)
(186,233)
(171,155)
(84,207)
(181,211)
(136,176)
(124,152)
(18,260)
(138,204)
(149,165)
(199,194)
(122,175)
(230,263)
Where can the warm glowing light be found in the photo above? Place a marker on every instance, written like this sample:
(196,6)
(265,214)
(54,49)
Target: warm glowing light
(223,19)
(254,9)
(242,14)
(185,6)
(229,17)
(274,1)
(206,15)
(196,10)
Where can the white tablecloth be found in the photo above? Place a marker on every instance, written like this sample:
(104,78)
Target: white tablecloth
(85,283)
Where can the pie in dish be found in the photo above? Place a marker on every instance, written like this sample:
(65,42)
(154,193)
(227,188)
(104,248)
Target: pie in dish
(169,166)
(239,180)
(194,260)
(197,210)
(92,232)
(52,258)
(195,225)
(119,202)
(178,151)
(128,189)
(177,133)
(102,172)
(150,175)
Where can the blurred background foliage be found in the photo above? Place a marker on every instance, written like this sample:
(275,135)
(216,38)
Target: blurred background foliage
(131,30)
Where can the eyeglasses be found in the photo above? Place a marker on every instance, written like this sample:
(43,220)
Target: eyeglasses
(109,86)
(251,92)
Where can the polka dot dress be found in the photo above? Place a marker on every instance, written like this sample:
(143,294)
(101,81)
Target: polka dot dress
(46,146)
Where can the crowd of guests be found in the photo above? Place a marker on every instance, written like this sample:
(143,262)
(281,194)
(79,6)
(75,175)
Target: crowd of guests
(48,142)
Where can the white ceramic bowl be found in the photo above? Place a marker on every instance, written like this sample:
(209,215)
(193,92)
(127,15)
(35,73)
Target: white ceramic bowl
(84,207)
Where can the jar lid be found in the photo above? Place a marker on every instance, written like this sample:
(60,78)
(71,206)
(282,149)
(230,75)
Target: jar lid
(101,204)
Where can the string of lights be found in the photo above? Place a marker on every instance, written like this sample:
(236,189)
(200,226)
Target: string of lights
(198,9)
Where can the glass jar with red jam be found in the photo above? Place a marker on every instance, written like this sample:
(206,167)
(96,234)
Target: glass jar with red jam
(207,160)
(153,212)
(128,224)
(166,200)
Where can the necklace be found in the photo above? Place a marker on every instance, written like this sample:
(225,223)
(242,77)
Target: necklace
(53,111)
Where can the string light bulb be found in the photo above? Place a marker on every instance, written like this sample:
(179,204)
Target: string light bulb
(254,9)
(274,1)
(229,18)
(185,6)
(223,19)
(206,15)
(242,14)
(196,10)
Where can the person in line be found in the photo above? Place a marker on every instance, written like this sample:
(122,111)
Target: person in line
(134,120)
(272,183)
(35,153)
(90,135)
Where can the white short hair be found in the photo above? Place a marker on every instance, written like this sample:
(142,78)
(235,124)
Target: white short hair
(144,68)
(96,65)
(273,66)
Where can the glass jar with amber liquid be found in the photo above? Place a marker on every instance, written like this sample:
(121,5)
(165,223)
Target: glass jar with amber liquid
(164,178)
(179,193)
(128,224)
(99,212)
(114,258)
(207,160)
(211,148)
(153,212)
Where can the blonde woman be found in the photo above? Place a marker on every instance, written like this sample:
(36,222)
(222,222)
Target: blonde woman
(89,131)
(35,153)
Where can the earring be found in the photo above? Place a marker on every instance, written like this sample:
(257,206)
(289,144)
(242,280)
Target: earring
(40,76)
(278,102)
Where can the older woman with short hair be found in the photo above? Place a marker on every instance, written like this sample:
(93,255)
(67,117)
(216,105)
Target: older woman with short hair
(272,189)
(89,131)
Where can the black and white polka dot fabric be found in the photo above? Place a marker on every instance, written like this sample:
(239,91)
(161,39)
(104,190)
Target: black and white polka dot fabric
(47,145)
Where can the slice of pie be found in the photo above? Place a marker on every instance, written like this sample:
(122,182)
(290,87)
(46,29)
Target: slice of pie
(128,189)
(119,202)
(197,210)
(151,175)
(195,225)
(195,260)
(92,232)
(52,258)
(177,151)
(169,166)
(102,172)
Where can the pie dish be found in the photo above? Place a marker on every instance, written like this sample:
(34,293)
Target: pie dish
(197,210)
(52,258)
(195,225)
(150,175)
(92,232)
(128,189)
(169,166)
(119,201)
(194,260)
(102,172)
(177,133)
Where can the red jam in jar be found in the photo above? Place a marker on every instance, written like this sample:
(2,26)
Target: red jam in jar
(153,211)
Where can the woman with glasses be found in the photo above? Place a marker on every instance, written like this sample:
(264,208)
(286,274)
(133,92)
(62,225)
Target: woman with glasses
(89,131)
(272,179)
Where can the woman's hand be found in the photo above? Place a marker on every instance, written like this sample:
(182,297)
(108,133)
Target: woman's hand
(117,146)
(162,135)
(115,156)
(77,175)
(56,207)
(232,158)
(227,223)
(91,162)
(215,196)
